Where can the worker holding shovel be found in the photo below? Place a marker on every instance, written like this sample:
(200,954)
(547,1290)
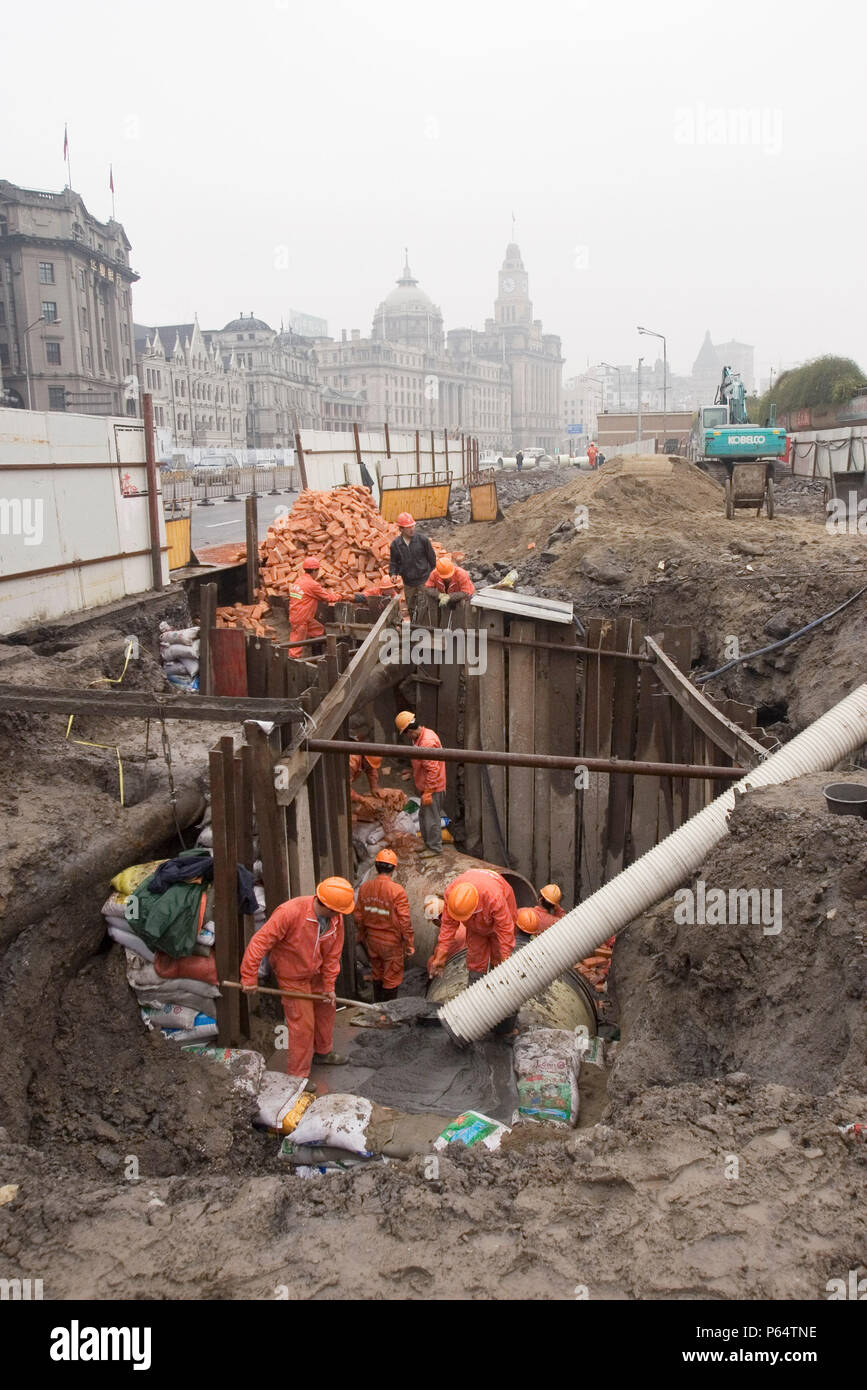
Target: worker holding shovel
(384,926)
(305,940)
(430,780)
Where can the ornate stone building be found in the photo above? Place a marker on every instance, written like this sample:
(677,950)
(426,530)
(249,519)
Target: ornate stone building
(502,385)
(199,394)
(66,328)
(282,382)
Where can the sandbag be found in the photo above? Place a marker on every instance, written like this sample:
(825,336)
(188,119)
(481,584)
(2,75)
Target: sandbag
(129,879)
(204,1027)
(178,634)
(142,975)
(168,1016)
(130,942)
(114,908)
(547,1064)
(177,651)
(472,1128)
(339,1121)
(186,968)
(277,1098)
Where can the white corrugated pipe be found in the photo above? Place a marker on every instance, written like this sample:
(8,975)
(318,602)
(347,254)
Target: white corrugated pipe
(648,880)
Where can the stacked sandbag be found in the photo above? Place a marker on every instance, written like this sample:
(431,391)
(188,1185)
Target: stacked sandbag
(179,654)
(547,1066)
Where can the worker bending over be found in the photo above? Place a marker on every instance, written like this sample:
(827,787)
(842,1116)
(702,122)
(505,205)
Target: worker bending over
(412,558)
(304,594)
(430,779)
(305,939)
(546,912)
(451,582)
(364,762)
(384,927)
(484,902)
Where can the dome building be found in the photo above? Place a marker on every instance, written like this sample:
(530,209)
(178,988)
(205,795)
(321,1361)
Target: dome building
(407,315)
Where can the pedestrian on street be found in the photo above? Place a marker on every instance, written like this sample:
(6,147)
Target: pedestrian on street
(519,459)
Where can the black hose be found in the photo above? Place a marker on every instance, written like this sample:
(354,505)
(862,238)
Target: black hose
(783,642)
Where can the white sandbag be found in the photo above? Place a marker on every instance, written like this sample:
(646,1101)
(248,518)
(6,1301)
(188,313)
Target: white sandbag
(130,942)
(205,1028)
(244,1065)
(337,1120)
(547,1064)
(179,651)
(205,837)
(168,1016)
(172,992)
(176,668)
(406,822)
(178,634)
(206,934)
(184,682)
(259,914)
(190,665)
(278,1093)
(142,976)
(472,1128)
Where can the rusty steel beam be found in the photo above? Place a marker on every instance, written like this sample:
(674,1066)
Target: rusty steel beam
(552,761)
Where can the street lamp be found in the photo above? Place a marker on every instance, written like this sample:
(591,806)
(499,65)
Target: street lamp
(609,368)
(27,331)
(650,334)
(638,435)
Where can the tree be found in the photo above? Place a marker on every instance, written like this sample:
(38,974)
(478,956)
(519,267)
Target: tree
(824,381)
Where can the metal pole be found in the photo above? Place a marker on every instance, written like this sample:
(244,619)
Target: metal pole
(664,389)
(552,762)
(638,435)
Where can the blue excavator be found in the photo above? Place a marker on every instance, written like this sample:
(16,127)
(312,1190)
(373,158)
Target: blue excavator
(724,439)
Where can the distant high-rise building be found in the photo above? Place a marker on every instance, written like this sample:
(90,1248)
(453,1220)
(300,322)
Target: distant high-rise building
(66,326)
(307,325)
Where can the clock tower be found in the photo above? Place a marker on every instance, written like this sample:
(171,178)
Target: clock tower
(512,304)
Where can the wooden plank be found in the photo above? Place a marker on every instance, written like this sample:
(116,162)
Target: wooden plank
(627,637)
(302,868)
(541,787)
(251,520)
(270,821)
(721,729)
(207,624)
(144,704)
(472,739)
(595,742)
(229,661)
(646,791)
(521,730)
(336,706)
(227,927)
(564,738)
(492,724)
(448,697)
(258,660)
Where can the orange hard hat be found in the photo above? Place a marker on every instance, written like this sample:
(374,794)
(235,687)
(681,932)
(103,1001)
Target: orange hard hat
(405,519)
(337,894)
(551,893)
(527,920)
(445,566)
(404,719)
(310,562)
(462,899)
(386,856)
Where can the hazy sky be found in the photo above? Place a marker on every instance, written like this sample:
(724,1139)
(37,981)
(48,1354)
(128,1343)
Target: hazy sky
(685,164)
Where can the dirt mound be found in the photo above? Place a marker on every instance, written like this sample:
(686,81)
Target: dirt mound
(781,998)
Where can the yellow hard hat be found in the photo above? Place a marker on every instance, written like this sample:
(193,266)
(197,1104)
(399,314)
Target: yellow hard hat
(551,893)
(337,894)
(527,920)
(445,566)
(403,720)
(462,899)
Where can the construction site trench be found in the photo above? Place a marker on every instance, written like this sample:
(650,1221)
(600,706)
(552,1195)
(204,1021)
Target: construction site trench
(714,1154)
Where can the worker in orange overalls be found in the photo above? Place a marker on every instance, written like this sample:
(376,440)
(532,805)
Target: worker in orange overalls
(484,902)
(452,583)
(430,779)
(546,912)
(304,594)
(305,940)
(384,927)
(592,451)
(364,762)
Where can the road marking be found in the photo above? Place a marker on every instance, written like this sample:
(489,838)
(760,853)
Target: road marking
(214,524)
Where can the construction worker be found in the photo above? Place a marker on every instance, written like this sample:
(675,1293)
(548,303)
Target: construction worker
(592,451)
(364,762)
(430,779)
(544,914)
(484,902)
(453,584)
(304,594)
(305,940)
(384,927)
(412,558)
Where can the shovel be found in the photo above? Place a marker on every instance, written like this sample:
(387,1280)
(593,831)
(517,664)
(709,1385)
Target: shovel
(296,994)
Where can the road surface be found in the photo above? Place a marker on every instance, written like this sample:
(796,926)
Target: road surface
(224,521)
